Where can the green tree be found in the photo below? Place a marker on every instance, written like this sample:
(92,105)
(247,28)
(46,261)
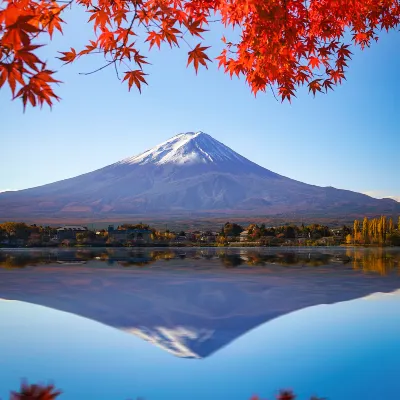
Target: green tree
(290,232)
(232,229)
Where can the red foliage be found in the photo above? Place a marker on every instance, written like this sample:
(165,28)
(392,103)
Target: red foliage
(41,392)
(286,395)
(283,43)
(35,392)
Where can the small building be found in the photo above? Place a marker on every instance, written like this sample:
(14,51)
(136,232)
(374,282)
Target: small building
(118,235)
(326,241)
(68,232)
(140,235)
(190,236)
(244,236)
(35,238)
(135,236)
(208,237)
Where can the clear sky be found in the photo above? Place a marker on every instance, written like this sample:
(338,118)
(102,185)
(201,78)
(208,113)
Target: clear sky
(348,139)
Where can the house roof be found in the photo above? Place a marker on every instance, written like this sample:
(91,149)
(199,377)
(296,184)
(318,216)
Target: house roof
(72,228)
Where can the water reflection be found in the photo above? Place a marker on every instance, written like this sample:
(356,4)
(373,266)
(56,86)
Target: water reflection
(376,260)
(192,303)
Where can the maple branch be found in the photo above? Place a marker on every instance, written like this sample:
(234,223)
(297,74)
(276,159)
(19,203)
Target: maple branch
(130,28)
(98,69)
(273,92)
(184,33)
(181,37)
(145,14)
(284,46)
(116,71)
(7,57)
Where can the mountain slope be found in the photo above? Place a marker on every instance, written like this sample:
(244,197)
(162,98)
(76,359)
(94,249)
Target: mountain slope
(189,173)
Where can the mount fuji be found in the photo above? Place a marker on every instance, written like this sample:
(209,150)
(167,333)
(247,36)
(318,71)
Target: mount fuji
(191,173)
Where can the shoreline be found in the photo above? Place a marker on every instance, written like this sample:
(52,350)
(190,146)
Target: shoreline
(194,246)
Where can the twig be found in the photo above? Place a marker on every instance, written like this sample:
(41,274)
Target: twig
(98,69)
(273,92)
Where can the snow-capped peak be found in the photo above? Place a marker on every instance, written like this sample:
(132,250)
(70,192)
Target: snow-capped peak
(186,148)
(176,341)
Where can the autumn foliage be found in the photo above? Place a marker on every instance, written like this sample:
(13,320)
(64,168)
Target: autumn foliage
(48,392)
(35,392)
(278,45)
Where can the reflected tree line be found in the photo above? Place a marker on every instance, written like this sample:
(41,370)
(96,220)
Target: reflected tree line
(374,260)
(49,392)
(378,261)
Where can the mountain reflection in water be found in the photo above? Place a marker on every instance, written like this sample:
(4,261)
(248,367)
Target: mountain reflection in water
(193,302)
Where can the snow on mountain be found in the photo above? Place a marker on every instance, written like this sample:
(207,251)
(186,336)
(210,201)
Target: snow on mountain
(186,148)
(189,173)
(176,341)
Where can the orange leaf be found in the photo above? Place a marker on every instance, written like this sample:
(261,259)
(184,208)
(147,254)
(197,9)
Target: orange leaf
(315,86)
(69,56)
(135,77)
(314,62)
(197,56)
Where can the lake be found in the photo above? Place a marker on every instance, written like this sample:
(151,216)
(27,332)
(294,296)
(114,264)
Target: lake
(201,324)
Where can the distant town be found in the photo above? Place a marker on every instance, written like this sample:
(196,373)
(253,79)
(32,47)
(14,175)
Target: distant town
(380,231)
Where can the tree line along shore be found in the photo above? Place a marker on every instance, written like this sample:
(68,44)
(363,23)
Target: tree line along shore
(381,231)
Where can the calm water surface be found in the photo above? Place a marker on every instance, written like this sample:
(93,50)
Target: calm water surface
(202,324)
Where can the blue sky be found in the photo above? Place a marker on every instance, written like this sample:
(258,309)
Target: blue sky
(348,139)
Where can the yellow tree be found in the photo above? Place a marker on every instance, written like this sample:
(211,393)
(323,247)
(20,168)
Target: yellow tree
(371,230)
(365,229)
(222,240)
(379,229)
(390,226)
(356,229)
(384,228)
(376,230)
